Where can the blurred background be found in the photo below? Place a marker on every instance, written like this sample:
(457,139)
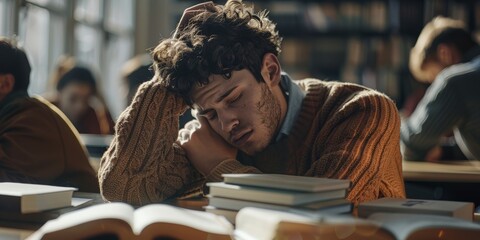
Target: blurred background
(365,41)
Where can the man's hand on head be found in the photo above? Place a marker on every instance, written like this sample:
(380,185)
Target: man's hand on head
(204,147)
(191,12)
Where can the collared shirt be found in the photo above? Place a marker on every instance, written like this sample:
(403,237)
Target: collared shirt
(294,96)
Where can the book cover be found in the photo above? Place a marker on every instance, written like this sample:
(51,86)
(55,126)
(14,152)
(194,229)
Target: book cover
(287,182)
(30,198)
(463,210)
(269,195)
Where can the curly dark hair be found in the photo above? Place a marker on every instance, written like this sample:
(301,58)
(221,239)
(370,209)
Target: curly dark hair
(232,38)
(459,38)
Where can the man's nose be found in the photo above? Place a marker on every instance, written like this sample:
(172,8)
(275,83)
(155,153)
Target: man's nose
(228,121)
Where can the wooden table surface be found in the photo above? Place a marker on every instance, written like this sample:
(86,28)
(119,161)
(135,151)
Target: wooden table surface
(445,171)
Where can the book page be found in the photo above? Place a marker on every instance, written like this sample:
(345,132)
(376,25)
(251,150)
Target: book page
(402,225)
(76,201)
(203,221)
(262,224)
(256,223)
(119,211)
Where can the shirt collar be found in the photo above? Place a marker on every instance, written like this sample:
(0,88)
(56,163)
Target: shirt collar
(294,96)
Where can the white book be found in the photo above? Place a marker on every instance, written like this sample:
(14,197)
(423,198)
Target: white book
(335,206)
(268,195)
(154,221)
(228,214)
(462,210)
(287,182)
(30,198)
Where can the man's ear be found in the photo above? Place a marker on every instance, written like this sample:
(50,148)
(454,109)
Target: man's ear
(271,71)
(7,81)
(447,55)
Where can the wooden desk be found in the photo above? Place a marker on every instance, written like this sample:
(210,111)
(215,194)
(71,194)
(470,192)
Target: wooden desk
(18,226)
(445,171)
(446,180)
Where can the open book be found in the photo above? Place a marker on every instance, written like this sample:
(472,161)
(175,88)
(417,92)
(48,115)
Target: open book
(263,224)
(123,222)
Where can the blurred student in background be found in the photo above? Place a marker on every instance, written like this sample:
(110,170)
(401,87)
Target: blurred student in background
(134,72)
(77,96)
(447,56)
(37,142)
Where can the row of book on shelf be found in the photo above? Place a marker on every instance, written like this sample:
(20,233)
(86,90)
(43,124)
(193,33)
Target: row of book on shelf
(247,207)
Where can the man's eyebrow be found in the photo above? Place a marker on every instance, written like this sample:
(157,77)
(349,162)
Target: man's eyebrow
(224,95)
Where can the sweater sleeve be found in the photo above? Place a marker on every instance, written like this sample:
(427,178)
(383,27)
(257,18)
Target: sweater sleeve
(229,166)
(363,146)
(143,164)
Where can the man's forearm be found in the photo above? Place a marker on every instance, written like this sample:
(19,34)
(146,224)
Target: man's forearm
(142,165)
(229,166)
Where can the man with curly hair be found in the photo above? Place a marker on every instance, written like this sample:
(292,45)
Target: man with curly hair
(222,61)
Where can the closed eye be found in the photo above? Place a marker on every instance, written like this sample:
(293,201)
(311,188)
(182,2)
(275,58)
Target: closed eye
(234,99)
(210,115)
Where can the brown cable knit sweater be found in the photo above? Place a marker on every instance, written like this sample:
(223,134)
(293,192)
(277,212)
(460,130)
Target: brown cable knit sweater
(342,131)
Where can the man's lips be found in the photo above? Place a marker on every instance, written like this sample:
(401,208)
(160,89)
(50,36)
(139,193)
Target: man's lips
(241,138)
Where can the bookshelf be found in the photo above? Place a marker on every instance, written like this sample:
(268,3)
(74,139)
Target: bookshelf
(363,41)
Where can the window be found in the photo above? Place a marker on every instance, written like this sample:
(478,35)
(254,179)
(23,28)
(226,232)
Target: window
(99,34)
(104,38)
(6,17)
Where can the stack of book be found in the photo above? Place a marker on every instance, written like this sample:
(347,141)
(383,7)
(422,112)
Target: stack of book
(298,194)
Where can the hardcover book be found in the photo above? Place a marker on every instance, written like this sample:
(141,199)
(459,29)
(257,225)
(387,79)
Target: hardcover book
(287,182)
(463,210)
(30,198)
(269,195)
(335,206)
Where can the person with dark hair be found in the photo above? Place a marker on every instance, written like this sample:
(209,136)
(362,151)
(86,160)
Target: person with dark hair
(37,142)
(138,70)
(222,61)
(77,97)
(134,72)
(447,56)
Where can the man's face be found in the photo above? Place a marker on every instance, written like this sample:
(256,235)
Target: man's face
(246,113)
(74,100)
(7,81)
